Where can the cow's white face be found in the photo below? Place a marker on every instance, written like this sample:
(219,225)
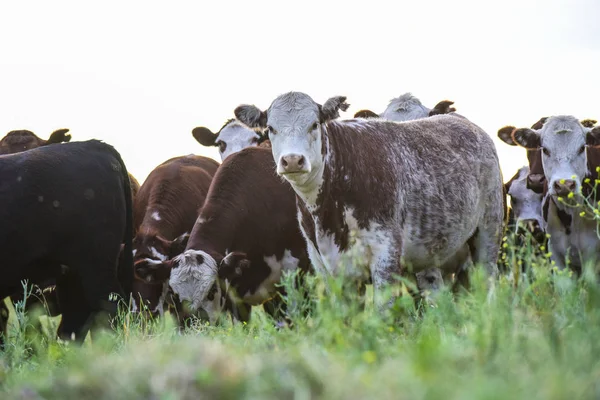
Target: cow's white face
(526,204)
(295,132)
(564,159)
(405,108)
(235,137)
(194,279)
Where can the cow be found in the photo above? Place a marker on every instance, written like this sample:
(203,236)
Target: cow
(246,236)
(43,294)
(164,213)
(407,108)
(22,140)
(65,212)
(232,137)
(569,156)
(414,193)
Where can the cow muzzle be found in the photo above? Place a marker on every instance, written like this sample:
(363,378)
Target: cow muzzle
(536,182)
(564,186)
(292,164)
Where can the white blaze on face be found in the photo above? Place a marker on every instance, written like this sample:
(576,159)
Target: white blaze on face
(156,216)
(192,277)
(563,140)
(525,203)
(294,130)
(156,254)
(236,137)
(405,108)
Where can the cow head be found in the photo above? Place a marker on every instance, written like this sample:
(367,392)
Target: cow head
(151,252)
(198,277)
(294,123)
(231,138)
(525,203)
(405,108)
(23,140)
(563,141)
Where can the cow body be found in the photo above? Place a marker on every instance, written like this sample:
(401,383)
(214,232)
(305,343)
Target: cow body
(246,236)
(165,211)
(66,210)
(382,180)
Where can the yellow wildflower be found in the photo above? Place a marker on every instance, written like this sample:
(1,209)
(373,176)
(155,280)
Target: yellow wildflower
(369,357)
(562,181)
(571,195)
(586,180)
(582,214)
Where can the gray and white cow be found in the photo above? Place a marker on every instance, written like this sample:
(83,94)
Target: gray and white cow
(231,138)
(569,156)
(413,192)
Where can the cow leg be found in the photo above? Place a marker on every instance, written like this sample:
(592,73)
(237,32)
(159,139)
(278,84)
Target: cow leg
(75,310)
(3,323)
(485,244)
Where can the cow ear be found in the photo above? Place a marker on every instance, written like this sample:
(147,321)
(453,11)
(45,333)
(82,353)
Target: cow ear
(153,271)
(204,136)
(366,114)
(233,265)
(505,134)
(59,136)
(331,109)
(443,107)
(527,138)
(589,123)
(251,116)
(540,124)
(593,137)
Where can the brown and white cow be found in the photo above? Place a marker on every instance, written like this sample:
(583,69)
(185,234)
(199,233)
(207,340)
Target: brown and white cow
(164,213)
(569,156)
(22,140)
(408,108)
(413,192)
(232,137)
(246,236)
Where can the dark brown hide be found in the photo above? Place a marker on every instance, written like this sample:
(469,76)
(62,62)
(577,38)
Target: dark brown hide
(22,140)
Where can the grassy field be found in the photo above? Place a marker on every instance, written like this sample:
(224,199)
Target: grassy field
(532,336)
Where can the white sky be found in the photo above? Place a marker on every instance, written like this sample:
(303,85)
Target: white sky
(141,75)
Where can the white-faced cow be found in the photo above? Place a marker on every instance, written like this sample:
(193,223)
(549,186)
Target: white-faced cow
(65,212)
(246,236)
(164,214)
(408,108)
(232,137)
(569,155)
(413,192)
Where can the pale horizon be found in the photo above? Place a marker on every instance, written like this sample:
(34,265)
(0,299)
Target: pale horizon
(140,76)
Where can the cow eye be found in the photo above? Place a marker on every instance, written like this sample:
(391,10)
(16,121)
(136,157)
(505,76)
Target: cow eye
(314,126)
(581,149)
(546,151)
(222,146)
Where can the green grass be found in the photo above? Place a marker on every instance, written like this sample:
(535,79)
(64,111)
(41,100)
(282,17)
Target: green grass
(527,338)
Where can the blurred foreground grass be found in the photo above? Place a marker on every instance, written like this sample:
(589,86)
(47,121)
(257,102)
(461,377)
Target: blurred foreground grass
(526,338)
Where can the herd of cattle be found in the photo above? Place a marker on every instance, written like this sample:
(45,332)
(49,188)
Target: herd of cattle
(412,191)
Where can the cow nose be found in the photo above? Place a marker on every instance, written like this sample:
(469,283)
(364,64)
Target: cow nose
(293,163)
(564,187)
(535,182)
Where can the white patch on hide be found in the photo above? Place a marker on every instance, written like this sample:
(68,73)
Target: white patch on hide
(156,254)
(156,216)
(267,287)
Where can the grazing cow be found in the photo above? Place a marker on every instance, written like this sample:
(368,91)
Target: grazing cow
(232,137)
(382,180)
(164,214)
(407,108)
(569,155)
(65,212)
(18,141)
(246,236)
